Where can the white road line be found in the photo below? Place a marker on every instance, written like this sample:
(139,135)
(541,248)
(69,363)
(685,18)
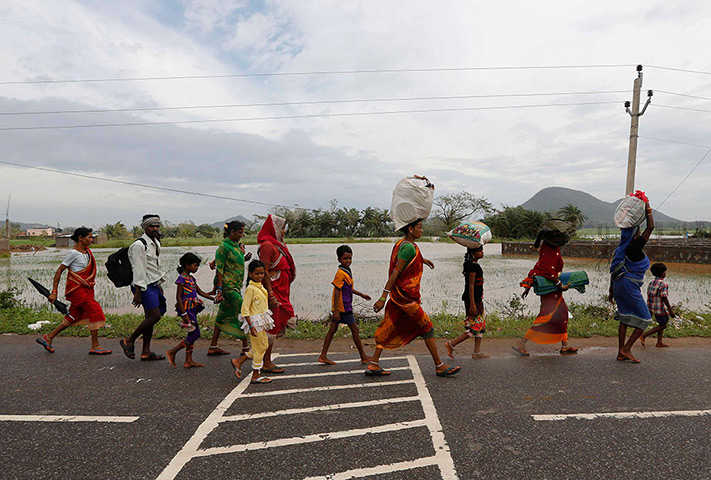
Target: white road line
(319,437)
(65,418)
(596,416)
(330,374)
(444,459)
(321,389)
(310,364)
(287,355)
(338,406)
(208,425)
(380,469)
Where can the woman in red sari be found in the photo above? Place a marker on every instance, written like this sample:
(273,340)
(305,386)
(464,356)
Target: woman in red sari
(404,318)
(281,272)
(551,324)
(81,278)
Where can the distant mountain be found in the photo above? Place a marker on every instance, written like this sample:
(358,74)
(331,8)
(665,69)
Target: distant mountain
(599,212)
(238,218)
(25,226)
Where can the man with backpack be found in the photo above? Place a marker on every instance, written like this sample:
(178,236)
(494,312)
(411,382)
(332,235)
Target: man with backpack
(144,256)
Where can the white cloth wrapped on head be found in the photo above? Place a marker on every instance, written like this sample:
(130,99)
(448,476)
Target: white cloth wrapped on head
(150,221)
(631,212)
(412,200)
(260,321)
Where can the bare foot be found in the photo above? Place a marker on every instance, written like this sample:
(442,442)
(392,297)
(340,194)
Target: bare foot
(628,355)
(171,357)
(480,355)
(325,361)
(450,349)
(621,358)
(662,345)
(641,341)
(192,365)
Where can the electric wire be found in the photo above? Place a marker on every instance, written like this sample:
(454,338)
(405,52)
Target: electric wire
(314,115)
(317,72)
(153,187)
(673,69)
(682,95)
(307,102)
(684,108)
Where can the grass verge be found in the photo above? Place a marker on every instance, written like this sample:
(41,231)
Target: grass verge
(587,321)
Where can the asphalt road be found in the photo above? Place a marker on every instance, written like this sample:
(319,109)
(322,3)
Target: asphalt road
(360,425)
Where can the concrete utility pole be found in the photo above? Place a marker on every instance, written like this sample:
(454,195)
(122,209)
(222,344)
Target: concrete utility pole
(634,128)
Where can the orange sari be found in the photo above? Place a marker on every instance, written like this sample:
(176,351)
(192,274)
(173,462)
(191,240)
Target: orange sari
(84,309)
(404,318)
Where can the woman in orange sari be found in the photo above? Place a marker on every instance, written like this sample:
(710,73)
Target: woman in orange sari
(551,324)
(404,318)
(81,278)
(280,273)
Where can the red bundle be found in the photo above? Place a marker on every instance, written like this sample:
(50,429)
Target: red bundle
(640,194)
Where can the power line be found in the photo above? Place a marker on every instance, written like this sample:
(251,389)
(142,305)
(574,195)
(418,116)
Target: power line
(309,102)
(682,95)
(674,141)
(678,69)
(315,115)
(153,187)
(683,108)
(318,72)
(680,183)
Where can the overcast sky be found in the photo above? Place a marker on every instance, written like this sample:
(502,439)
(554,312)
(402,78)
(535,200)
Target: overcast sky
(505,155)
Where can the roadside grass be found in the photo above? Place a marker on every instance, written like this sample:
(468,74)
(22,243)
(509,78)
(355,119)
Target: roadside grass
(587,321)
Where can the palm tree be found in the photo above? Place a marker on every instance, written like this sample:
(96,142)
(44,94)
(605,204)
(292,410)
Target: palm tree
(571,213)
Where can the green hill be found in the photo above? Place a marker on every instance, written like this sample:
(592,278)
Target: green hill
(598,211)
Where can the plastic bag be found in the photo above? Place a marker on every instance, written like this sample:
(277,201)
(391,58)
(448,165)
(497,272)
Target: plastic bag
(630,212)
(557,232)
(412,200)
(471,234)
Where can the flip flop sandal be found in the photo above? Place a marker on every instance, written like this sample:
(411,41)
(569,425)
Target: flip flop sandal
(128,351)
(523,353)
(262,380)
(568,351)
(99,351)
(152,357)
(43,341)
(216,351)
(377,373)
(277,370)
(449,372)
(238,371)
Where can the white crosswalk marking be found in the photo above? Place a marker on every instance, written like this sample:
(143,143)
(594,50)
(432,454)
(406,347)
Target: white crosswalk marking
(442,458)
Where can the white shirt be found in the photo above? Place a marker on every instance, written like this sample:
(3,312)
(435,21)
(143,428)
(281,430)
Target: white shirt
(76,261)
(145,263)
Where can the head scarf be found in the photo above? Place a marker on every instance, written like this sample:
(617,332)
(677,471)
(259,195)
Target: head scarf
(626,237)
(150,221)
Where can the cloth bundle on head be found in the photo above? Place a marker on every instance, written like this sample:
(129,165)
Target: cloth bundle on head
(471,234)
(412,200)
(631,210)
(151,221)
(556,232)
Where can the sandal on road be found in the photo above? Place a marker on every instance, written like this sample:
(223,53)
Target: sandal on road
(99,351)
(519,348)
(152,357)
(568,350)
(449,372)
(377,373)
(44,341)
(261,380)
(275,370)
(128,351)
(237,370)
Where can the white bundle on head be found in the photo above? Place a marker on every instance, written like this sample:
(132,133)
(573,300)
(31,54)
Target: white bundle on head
(150,221)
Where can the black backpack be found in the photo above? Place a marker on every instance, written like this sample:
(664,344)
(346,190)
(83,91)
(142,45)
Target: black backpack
(118,266)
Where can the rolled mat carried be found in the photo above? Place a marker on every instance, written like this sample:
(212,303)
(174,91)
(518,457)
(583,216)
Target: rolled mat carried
(577,280)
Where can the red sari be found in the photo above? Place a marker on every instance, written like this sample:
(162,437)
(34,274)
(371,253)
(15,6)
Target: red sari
(85,310)
(404,318)
(278,260)
(551,324)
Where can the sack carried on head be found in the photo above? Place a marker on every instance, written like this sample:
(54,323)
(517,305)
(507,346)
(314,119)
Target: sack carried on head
(412,200)
(471,234)
(631,210)
(557,232)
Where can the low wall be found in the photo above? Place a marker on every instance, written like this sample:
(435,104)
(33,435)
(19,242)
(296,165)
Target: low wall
(657,251)
(4,247)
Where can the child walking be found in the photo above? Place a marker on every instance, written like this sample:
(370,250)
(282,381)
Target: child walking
(658,303)
(342,305)
(188,305)
(256,318)
(474,323)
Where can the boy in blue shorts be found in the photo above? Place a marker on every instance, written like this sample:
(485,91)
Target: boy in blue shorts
(658,303)
(342,305)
